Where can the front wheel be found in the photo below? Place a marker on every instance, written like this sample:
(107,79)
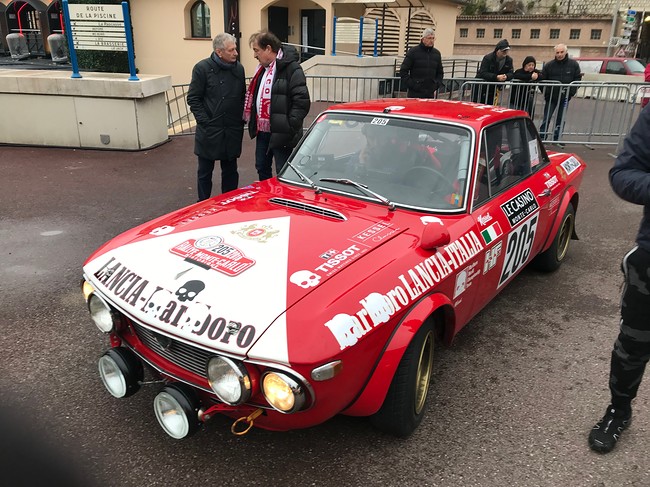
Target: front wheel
(552,258)
(405,401)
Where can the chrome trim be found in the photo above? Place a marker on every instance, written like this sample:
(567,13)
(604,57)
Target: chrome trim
(317,210)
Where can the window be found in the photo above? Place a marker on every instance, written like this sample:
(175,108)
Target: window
(615,67)
(534,33)
(464,32)
(480,33)
(574,34)
(595,34)
(555,34)
(516,33)
(498,33)
(200,20)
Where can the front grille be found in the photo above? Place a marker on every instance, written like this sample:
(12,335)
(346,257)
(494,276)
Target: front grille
(186,356)
(316,210)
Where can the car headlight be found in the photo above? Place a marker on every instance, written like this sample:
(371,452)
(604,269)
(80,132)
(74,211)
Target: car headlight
(282,392)
(102,314)
(229,380)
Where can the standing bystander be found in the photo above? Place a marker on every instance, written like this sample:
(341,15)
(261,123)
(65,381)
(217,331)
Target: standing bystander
(277,102)
(522,95)
(495,66)
(216,98)
(421,71)
(564,70)
(630,179)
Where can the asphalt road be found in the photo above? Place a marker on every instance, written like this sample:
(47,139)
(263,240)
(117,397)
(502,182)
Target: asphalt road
(512,403)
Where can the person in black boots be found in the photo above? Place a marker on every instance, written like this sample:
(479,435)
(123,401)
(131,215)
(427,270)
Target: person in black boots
(216,98)
(630,179)
(421,71)
(495,66)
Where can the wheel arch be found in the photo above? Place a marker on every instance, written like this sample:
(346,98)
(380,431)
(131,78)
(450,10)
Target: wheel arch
(570,196)
(435,307)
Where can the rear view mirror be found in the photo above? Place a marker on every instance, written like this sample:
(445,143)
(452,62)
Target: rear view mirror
(434,235)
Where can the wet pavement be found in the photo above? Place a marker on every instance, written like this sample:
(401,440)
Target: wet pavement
(512,402)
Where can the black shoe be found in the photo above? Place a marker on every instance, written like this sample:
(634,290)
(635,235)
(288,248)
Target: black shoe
(605,434)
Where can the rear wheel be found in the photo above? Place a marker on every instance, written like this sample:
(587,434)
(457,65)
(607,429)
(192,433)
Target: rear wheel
(405,401)
(552,258)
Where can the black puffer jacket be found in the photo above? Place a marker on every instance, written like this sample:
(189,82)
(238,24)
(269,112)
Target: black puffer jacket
(289,102)
(630,176)
(565,72)
(422,71)
(488,71)
(216,98)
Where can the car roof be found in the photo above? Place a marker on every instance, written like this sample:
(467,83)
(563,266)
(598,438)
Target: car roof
(612,58)
(465,112)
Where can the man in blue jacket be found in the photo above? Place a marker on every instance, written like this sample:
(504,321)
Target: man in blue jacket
(630,179)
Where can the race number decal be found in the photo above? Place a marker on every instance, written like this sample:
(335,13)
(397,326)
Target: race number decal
(520,242)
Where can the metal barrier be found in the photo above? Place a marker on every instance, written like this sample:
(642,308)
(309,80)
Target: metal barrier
(600,114)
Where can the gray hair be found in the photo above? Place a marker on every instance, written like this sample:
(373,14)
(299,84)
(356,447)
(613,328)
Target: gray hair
(220,40)
(429,31)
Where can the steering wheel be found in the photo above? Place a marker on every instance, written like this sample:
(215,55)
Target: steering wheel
(426,177)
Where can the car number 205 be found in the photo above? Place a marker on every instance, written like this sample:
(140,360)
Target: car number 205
(520,243)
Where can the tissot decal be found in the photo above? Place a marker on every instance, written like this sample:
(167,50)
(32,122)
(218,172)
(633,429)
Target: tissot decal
(519,207)
(518,247)
(213,253)
(377,308)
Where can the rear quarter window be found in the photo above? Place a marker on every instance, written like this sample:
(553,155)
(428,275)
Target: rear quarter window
(590,66)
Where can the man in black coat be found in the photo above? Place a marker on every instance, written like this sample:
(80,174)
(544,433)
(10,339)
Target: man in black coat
(421,70)
(277,102)
(495,66)
(216,98)
(630,179)
(565,70)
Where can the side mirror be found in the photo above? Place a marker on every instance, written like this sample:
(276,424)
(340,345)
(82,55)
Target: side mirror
(434,235)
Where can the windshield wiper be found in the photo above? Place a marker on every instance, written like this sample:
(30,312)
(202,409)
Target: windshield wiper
(304,178)
(362,187)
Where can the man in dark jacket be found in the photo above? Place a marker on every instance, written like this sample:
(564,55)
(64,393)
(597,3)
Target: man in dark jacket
(421,70)
(277,102)
(630,179)
(495,66)
(565,70)
(216,98)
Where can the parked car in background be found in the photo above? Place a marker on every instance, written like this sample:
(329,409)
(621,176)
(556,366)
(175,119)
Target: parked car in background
(326,290)
(611,65)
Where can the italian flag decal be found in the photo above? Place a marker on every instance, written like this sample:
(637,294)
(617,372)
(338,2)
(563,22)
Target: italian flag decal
(491,233)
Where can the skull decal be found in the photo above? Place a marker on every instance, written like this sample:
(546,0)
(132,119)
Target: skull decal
(189,290)
(305,279)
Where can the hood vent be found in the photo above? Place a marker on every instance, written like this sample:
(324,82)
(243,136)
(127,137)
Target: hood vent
(316,210)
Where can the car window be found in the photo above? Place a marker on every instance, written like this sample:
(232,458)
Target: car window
(508,154)
(634,66)
(590,66)
(412,163)
(615,67)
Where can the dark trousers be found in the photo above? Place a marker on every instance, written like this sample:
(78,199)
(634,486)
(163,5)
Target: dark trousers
(229,177)
(264,156)
(632,347)
(562,105)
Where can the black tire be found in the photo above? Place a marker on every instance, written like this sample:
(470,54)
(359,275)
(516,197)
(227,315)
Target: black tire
(405,402)
(552,258)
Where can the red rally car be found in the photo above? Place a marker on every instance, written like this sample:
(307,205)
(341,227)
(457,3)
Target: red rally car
(325,290)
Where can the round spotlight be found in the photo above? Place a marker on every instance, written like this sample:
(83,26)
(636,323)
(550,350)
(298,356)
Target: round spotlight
(176,407)
(229,380)
(102,314)
(282,392)
(121,372)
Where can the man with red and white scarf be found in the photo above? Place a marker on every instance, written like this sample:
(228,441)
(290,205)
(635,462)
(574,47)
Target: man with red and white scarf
(277,102)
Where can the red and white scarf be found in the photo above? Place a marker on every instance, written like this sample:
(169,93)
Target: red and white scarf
(265,78)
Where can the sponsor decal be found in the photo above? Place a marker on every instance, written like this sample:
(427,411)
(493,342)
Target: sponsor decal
(518,247)
(213,253)
(491,233)
(379,121)
(305,279)
(377,308)
(484,219)
(491,256)
(394,108)
(164,230)
(337,259)
(259,233)
(164,309)
(533,150)
(570,165)
(551,182)
(519,207)
(328,254)
(430,219)
(239,197)
(375,233)
(461,283)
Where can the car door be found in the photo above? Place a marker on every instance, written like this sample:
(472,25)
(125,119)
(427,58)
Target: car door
(511,202)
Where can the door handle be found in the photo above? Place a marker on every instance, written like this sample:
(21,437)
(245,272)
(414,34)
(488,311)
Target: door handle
(546,192)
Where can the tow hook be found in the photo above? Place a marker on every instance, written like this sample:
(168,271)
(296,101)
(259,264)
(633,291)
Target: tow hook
(250,419)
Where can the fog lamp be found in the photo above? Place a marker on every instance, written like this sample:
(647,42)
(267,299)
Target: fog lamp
(176,408)
(121,372)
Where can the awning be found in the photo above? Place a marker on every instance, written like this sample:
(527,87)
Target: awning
(387,3)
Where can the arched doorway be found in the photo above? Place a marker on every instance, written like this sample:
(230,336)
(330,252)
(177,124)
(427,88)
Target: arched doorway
(28,18)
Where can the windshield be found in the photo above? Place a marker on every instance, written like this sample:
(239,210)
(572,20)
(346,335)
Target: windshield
(635,66)
(409,163)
